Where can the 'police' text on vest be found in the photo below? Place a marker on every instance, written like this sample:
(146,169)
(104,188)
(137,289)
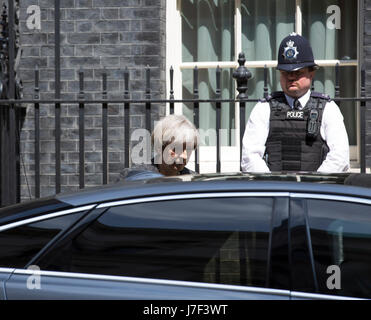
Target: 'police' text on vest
(295,115)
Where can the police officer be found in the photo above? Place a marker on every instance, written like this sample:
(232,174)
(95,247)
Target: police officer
(295,129)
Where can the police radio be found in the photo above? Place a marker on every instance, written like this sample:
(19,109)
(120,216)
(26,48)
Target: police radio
(312,128)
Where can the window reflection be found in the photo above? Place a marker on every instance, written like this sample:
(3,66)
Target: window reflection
(218,240)
(341,236)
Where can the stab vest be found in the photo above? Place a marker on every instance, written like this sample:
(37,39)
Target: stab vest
(294,141)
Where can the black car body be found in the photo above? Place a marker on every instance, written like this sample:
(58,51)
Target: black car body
(216,236)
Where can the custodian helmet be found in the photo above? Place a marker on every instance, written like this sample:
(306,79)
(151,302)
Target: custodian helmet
(295,53)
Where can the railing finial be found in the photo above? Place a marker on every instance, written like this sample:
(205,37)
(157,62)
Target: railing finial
(242,76)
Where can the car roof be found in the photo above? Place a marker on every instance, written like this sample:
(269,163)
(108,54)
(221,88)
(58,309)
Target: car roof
(346,184)
(338,184)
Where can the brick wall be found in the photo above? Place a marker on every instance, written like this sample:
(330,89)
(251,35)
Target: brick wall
(95,35)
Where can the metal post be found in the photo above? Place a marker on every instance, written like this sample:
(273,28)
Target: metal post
(196,115)
(361,48)
(171,89)
(127,118)
(11,16)
(148,97)
(218,118)
(337,82)
(4,123)
(57,96)
(242,76)
(81,131)
(14,187)
(104,129)
(363,121)
(4,156)
(37,133)
(265,81)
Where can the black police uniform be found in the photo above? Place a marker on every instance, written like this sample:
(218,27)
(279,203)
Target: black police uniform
(294,142)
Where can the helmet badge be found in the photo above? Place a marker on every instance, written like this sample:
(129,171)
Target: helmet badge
(290,52)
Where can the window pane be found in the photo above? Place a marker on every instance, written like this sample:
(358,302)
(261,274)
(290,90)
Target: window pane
(264,24)
(208,35)
(341,236)
(207,30)
(338,42)
(324,81)
(19,245)
(207,240)
(207,90)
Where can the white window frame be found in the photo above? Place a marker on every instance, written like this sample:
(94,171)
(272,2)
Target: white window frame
(230,155)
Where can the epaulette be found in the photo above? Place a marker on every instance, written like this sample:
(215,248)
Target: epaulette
(320,95)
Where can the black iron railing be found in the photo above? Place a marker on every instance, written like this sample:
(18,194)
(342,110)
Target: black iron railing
(126,102)
(10,89)
(11,101)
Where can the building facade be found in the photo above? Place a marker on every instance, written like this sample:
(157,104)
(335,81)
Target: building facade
(99,36)
(96,36)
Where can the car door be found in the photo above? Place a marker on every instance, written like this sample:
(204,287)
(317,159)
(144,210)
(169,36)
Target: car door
(4,276)
(23,239)
(195,246)
(334,237)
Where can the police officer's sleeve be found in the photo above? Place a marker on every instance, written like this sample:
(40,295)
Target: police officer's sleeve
(334,133)
(255,136)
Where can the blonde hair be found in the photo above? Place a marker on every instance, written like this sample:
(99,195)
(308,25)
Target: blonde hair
(176,129)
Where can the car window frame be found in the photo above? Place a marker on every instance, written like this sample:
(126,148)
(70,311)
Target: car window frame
(302,197)
(279,230)
(121,287)
(44,217)
(101,208)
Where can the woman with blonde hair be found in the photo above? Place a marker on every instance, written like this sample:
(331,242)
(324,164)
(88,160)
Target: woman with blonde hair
(173,140)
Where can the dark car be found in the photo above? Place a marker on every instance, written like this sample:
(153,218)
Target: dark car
(216,236)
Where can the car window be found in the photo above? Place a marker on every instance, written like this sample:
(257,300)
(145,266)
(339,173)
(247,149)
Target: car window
(31,209)
(218,240)
(20,244)
(341,241)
